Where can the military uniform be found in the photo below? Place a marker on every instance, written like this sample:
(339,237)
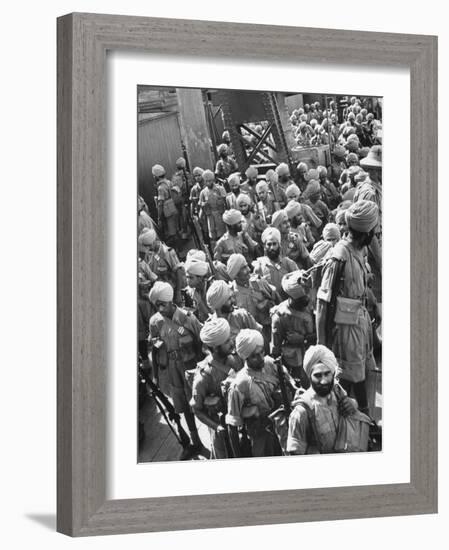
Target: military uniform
(183,181)
(178,348)
(225,167)
(207,383)
(164,263)
(273,271)
(212,201)
(239,319)
(289,329)
(170,222)
(232,244)
(257,298)
(254,225)
(257,391)
(351,343)
(198,303)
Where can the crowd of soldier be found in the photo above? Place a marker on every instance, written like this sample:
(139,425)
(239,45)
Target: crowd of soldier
(283,293)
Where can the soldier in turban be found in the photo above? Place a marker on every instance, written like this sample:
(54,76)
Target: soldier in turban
(162,261)
(175,347)
(167,212)
(343,321)
(252,293)
(195,210)
(272,266)
(252,396)
(221,300)
(249,186)
(197,272)
(235,239)
(182,179)
(292,326)
(319,409)
(329,193)
(235,187)
(266,205)
(208,402)
(212,202)
(226,164)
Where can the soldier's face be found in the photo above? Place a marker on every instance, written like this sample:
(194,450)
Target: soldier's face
(194,281)
(244,274)
(262,195)
(244,209)
(228,306)
(284,228)
(272,249)
(225,349)
(210,182)
(256,359)
(235,186)
(293,196)
(164,308)
(322,380)
(198,178)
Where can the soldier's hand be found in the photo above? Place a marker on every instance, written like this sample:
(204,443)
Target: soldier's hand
(347,406)
(220,430)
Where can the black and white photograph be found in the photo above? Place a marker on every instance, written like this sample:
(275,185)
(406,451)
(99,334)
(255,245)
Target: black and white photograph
(259,291)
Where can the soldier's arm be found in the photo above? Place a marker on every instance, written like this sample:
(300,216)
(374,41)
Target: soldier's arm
(277,336)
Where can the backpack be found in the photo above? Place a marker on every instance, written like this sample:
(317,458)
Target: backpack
(353,432)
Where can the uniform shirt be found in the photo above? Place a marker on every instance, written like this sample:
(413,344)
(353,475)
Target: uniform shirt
(284,320)
(213,200)
(302,436)
(254,226)
(163,190)
(209,376)
(180,335)
(273,271)
(195,194)
(164,263)
(257,298)
(198,299)
(252,387)
(225,167)
(230,244)
(355,274)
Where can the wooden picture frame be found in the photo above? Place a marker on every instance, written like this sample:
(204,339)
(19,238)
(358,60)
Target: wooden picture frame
(83,40)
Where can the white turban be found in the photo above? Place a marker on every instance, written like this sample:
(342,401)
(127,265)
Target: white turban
(278,218)
(251,172)
(158,170)
(292,191)
(231,217)
(331,230)
(234,177)
(162,292)
(194,254)
(262,186)
(235,264)
(247,341)
(215,332)
(282,169)
(208,175)
(243,198)
(319,355)
(292,286)
(222,148)
(196,267)
(271,233)
(219,293)
(147,237)
(362,216)
(197,170)
(293,209)
(271,176)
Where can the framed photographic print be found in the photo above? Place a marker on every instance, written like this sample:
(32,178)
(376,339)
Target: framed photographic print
(262,303)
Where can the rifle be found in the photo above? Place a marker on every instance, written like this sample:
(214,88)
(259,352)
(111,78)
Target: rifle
(286,405)
(221,419)
(166,409)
